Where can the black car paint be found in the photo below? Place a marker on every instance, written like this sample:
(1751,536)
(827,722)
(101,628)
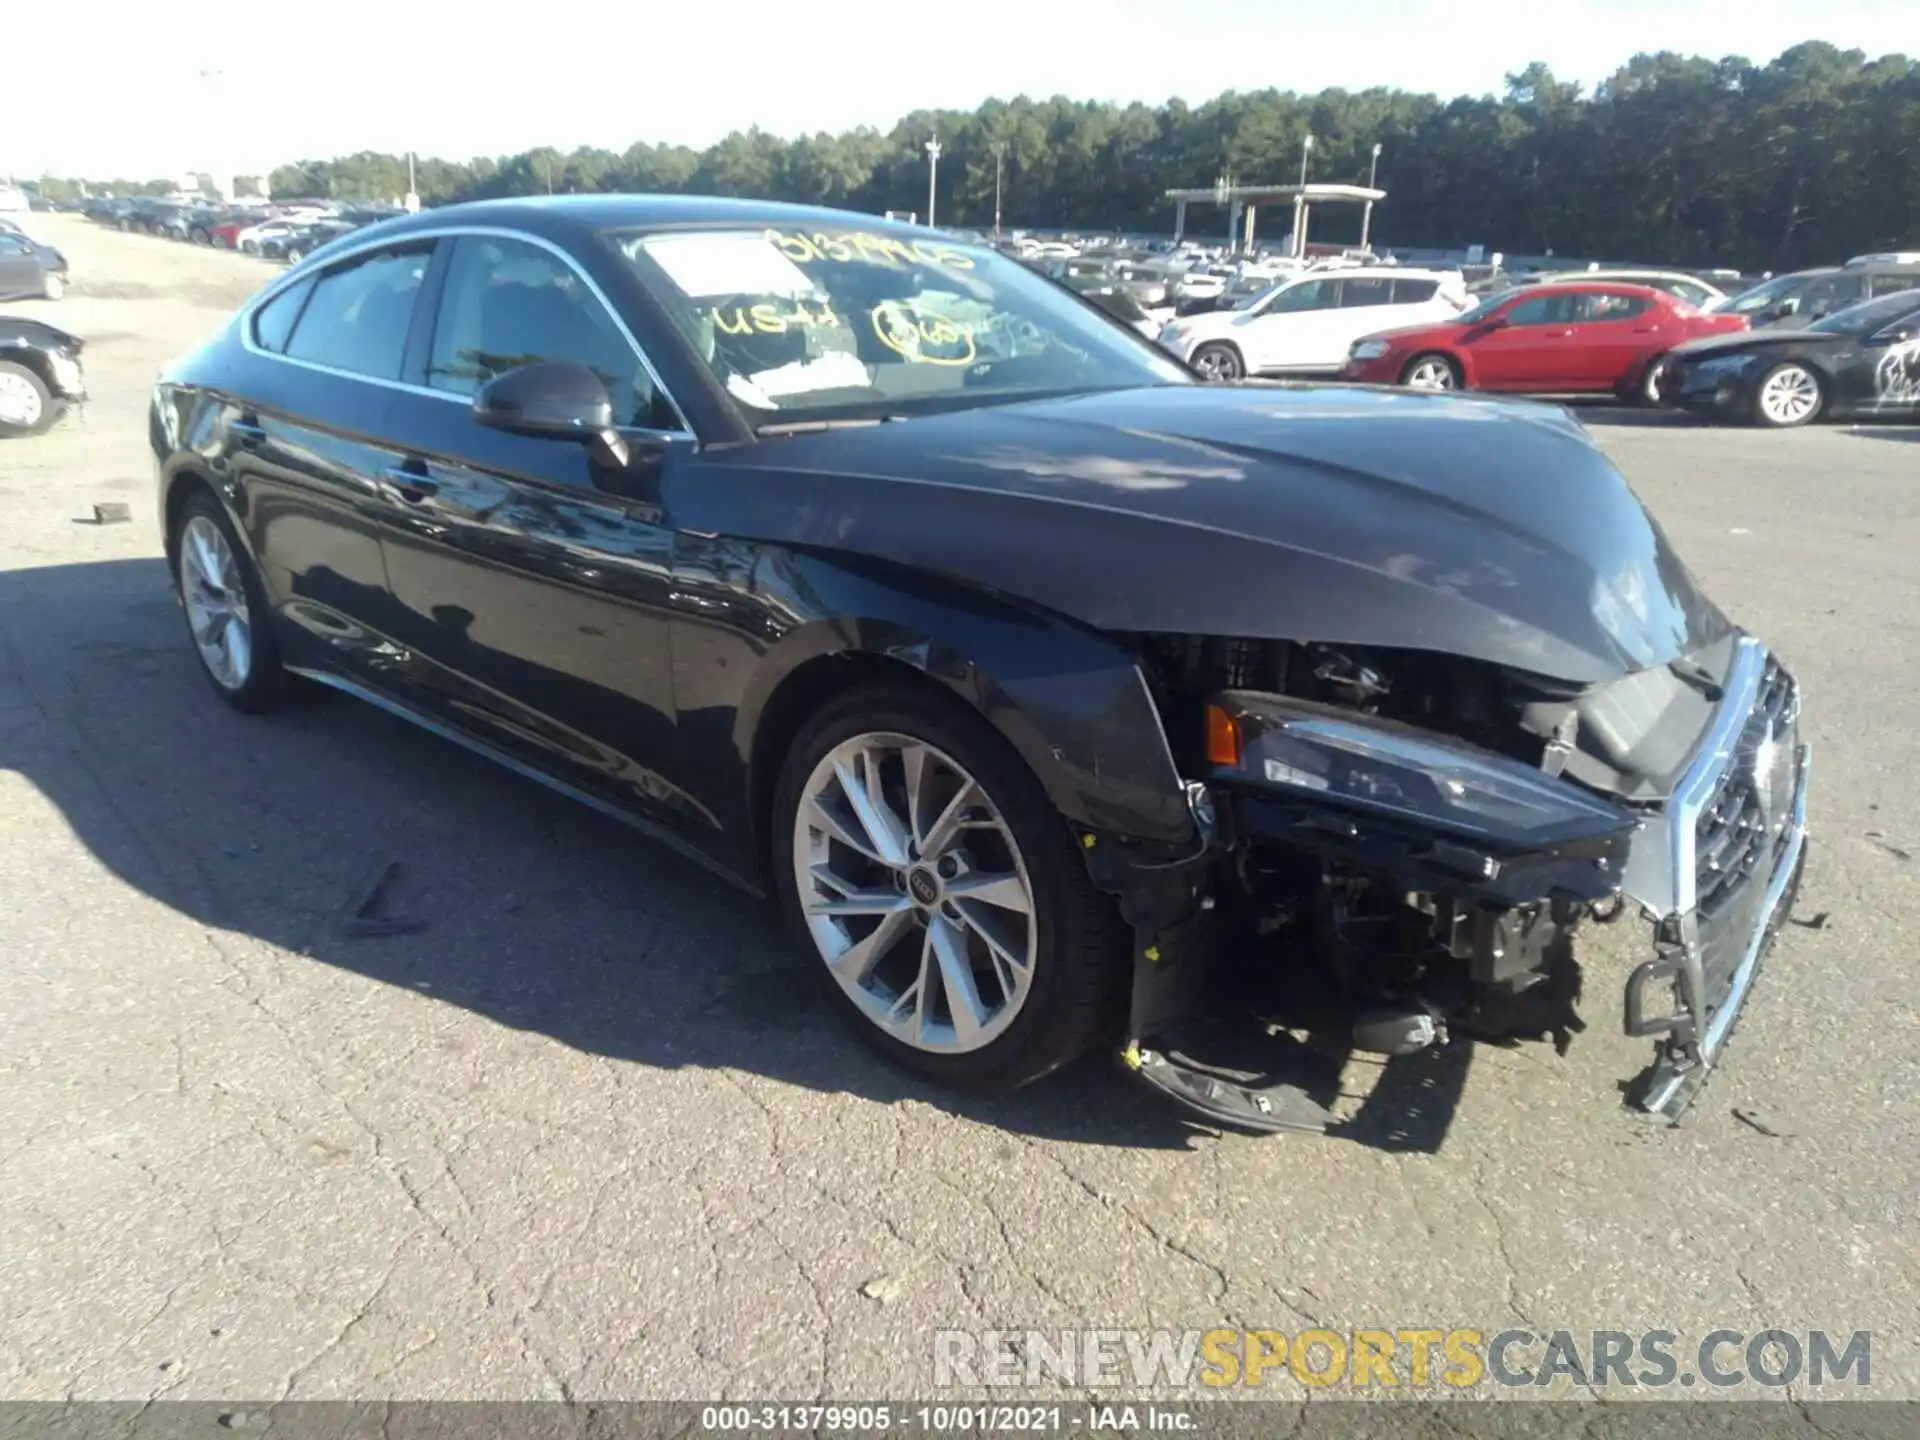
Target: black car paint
(24,265)
(630,644)
(1853,369)
(34,344)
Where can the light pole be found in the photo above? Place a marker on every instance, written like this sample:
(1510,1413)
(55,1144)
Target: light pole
(933,175)
(1366,215)
(1300,202)
(999,155)
(212,77)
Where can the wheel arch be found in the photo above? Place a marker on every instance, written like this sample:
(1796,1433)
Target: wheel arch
(1071,704)
(30,358)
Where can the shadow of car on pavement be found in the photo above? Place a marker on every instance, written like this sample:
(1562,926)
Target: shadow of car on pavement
(540,914)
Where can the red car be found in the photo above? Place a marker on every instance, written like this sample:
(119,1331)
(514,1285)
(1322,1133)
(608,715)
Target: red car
(1584,338)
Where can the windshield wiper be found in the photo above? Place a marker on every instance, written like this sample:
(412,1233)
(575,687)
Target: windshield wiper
(819,427)
(1696,677)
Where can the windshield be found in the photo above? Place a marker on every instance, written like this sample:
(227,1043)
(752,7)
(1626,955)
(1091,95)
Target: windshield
(1761,297)
(850,323)
(1485,308)
(1872,315)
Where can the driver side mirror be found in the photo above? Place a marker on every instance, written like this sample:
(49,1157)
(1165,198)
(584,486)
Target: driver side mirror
(553,400)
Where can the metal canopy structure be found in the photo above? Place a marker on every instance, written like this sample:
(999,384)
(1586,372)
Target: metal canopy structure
(1247,198)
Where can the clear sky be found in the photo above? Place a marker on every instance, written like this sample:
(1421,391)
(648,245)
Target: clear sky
(119,87)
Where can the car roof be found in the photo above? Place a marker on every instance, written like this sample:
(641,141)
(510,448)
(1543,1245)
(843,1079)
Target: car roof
(1589,286)
(574,216)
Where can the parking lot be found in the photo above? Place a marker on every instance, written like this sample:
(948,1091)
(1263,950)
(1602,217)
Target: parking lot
(585,1134)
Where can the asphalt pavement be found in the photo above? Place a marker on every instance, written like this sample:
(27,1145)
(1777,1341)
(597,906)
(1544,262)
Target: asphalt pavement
(586,1134)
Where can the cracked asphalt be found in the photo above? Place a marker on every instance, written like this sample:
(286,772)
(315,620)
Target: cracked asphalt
(586,1134)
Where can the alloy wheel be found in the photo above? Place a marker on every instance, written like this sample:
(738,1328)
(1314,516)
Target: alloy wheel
(1431,373)
(1216,362)
(215,594)
(915,893)
(1789,396)
(20,403)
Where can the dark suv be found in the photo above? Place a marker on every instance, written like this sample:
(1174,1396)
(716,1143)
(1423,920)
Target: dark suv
(1808,295)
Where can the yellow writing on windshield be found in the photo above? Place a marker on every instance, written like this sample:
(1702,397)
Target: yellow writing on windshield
(772,319)
(865,247)
(923,339)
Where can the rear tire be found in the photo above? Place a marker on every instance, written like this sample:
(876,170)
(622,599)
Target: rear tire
(228,617)
(1069,931)
(1647,390)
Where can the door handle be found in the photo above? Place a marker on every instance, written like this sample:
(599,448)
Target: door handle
(410,484)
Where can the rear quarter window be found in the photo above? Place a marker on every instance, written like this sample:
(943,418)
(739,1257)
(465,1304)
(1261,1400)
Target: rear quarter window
(273,321)
(1413,292)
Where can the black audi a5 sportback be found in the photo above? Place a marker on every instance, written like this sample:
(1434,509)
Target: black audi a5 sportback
(1060,699)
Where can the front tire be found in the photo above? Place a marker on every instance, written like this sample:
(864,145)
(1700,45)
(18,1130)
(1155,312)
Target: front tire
(938,892)
(1432,371)
(1653,379)
(228,617)
(1219,362)
(1788,395)
(27,406)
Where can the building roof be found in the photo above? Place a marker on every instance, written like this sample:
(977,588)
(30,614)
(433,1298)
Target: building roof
(1310,193)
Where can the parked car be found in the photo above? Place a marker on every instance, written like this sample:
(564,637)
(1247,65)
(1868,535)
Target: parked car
(295,245)
(1030,675)
(1553,339)
(1690,288)
(1862,362)
(1117,301)
(1309,324)
(1798,299)
(41,377)
(30,270)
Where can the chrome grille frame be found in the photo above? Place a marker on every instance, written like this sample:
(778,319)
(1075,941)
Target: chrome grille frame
(1716,819)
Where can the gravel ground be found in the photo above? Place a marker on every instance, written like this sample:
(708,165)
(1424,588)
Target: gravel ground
(586,1135)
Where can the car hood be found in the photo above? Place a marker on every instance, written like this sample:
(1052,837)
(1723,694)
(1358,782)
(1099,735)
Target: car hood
(1736,340)
(37,333)
(1466,525)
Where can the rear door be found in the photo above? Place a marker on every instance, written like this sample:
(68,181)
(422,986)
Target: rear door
(306,445)
(1366,307)
(533,599)
(1614,333)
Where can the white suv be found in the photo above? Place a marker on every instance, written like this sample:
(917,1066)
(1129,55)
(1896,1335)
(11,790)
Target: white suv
(1309,324)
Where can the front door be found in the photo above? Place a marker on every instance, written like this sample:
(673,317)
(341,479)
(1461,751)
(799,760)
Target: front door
(19,269)
(533,598)
(1532,350)
(1294,331)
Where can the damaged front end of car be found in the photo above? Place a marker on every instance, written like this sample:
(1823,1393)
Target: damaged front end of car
(1402,847)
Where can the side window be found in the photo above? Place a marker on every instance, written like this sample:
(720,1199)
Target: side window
(273,322)
(1604,307)
(1307,295)
(1356,292)
(1830,293)
(1541,310)
(356,317)
(12,245)
(1894,283)
(508,303)
(1694,295)
(1414,292)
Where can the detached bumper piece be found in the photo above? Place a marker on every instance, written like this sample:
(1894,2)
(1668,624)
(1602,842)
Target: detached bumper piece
(1231,1098)
(1738,850)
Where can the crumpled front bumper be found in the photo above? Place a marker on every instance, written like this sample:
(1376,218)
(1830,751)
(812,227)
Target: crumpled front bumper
(1718,875)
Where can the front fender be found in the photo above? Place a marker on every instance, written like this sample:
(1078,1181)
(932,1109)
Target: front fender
(1073,704)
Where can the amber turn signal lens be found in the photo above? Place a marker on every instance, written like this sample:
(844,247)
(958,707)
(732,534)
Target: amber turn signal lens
(1223,737)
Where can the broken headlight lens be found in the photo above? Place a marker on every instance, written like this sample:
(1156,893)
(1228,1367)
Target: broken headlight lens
(1366,764)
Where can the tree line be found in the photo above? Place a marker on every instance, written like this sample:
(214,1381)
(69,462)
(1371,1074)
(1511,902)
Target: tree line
(1805,159)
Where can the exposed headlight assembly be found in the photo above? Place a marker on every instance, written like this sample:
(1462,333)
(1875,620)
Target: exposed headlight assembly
(1396,772)
(1370,349)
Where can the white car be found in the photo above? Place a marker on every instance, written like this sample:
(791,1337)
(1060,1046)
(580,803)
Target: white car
(1308,324)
